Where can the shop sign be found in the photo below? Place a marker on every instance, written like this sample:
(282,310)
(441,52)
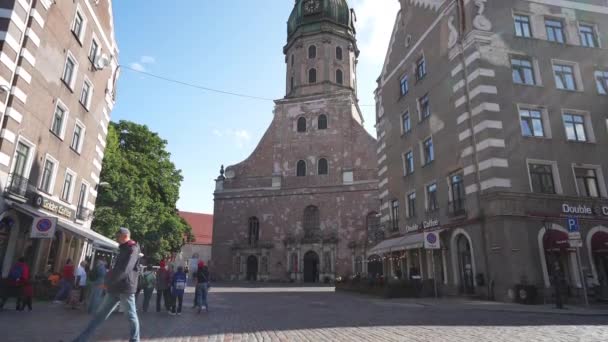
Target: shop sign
(431,240)
(430,224)
(412,228)
(54,207)
(43,228)
(583,209)
(575,243)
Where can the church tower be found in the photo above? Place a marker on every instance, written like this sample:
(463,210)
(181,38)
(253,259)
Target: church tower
(300,207)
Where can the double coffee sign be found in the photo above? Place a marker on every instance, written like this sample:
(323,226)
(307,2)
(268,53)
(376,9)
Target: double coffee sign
(583,209)
(430,224)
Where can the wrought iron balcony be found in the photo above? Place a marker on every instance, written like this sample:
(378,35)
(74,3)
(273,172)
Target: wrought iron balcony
(83,213)
(17,185)
(457,207)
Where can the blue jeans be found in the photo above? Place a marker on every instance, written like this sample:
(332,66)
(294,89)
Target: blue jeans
(109,304)
(201,295)
(64,290)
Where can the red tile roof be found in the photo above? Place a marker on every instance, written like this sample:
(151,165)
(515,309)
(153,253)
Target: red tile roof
(202,226)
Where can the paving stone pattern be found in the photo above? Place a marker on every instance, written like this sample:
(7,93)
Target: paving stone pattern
(249,314)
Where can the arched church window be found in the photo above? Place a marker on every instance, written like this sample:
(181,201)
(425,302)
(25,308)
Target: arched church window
(322,121)
(301,169)
(302,124)
(323,168)
(312,75)
(312,52)
(339,76)
(311,222)
(338,53)
(254,230)
(291,84)
(292,59)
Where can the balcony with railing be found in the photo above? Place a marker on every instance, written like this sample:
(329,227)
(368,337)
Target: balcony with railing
(16,186)
(83,213)
(457,207)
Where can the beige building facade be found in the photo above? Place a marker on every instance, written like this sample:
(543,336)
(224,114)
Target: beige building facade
(58,69)
(492,133)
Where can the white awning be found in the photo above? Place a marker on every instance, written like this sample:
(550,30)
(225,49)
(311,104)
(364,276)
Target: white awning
(413,241)
(96,238)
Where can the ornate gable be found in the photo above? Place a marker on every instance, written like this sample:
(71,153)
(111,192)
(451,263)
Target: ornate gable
(431,4)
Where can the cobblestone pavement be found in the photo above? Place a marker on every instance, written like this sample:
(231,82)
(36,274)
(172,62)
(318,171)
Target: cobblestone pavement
(309,314)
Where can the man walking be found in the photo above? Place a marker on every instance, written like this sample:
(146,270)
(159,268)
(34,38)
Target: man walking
(163,283)
(121,282)
(202,286)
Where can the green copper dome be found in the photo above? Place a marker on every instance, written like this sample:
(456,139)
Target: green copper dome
(311,13)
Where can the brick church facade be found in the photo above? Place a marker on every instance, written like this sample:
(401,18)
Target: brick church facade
(300,207)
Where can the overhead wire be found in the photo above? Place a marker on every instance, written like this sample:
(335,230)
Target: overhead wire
(200,87)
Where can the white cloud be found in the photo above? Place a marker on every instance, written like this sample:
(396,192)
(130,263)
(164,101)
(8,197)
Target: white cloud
(239,137)
(140,64)
(374,27)
(137,67)
(147,60)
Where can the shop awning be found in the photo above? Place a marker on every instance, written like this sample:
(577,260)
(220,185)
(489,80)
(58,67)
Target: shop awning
(412,241)
(556,240)
(599,242)
(97,239)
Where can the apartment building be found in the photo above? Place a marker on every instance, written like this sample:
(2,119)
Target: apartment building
(58,69)
(492,120)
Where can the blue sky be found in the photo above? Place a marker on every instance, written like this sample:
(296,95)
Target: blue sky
(234,46)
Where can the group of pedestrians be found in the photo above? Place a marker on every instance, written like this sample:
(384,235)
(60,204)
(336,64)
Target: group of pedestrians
(170,287)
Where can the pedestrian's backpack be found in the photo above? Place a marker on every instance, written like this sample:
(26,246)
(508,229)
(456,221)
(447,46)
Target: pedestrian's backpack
(180,283)
(149,280)
(16,273)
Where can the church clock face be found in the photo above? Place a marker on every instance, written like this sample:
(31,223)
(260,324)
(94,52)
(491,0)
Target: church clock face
(312,6)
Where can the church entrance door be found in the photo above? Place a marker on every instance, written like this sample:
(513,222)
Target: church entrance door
(252,268)
(311,267)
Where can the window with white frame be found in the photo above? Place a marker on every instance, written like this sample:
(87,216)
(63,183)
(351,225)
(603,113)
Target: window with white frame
(601,81)
(575,127)
(587,181)
(424,106)
(411,204)
(94,50)
(78,27)
(395,214)
(555,30)
(428,151)
(522,26)
(69,71)
(457,192)
(406,123)
(564,76)
(82,197)
(420,68)
(431,197)
(59,120)
(404,86)
(408,163)
(86,94)
(523,70)
(49,170)
(531,122)
(23,156)
(68,184)
(542,178)
(77,137)
(588,35)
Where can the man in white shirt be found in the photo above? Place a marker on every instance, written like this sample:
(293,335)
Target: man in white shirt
(81,279)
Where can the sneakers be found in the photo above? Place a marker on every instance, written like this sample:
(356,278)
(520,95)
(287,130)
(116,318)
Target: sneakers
(179,313)
(171,313)
(57,302)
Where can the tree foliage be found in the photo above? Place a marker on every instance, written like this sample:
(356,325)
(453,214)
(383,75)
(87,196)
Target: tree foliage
(141,191)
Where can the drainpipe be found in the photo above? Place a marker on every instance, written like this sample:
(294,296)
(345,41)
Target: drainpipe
(473,141)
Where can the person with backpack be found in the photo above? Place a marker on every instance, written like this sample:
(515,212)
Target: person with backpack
(178,286)
(149,282)
(18,276)
(121,283)
(202,286)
